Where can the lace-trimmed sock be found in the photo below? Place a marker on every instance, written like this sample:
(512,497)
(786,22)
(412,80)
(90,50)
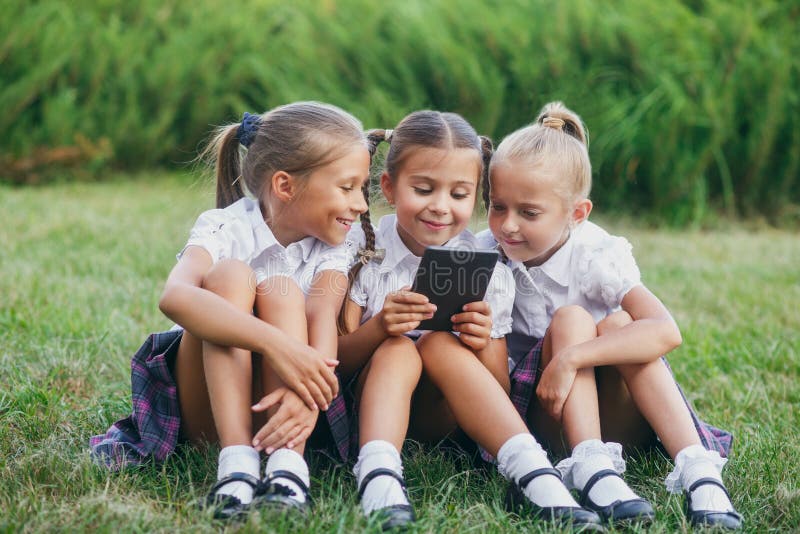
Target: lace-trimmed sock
(590,457)
(522,454)
(692,464)
(289,460)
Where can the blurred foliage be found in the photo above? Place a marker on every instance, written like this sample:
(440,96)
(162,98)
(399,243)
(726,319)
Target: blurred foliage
(692,105)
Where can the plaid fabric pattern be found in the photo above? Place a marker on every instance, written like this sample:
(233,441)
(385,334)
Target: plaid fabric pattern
(523,386)
(338,418)
(151,431)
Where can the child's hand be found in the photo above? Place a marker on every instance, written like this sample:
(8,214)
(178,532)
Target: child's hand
(403,311)
(306,372)
(555,385)
(475,324)
(289,426)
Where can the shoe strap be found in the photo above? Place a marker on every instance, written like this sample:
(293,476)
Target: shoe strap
(381,471)
(526,479)
(236,476)
(708,482)
(594,479)
(282,473)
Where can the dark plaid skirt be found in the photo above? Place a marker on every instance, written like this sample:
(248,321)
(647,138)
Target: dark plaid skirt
(151,430)
(523,387)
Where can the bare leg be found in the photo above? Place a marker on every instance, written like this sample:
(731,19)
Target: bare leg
(200,398)
(228,370)
(478,402)
(640,399)
(281,303)
(393,373)
(580,419)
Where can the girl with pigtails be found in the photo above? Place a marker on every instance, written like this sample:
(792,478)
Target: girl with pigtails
(428,384)
(253,295)
(588,337)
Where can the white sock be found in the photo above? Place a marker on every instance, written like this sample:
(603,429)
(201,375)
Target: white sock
(693,463)
(381,491)
(589,457)
(289,460)
(522,454)
(238,459)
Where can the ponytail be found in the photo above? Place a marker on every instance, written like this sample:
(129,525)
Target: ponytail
(367,253)
(223,150)
(556,116)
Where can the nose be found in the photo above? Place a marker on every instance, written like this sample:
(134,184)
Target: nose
(360,203)
(439,203)
(509,225)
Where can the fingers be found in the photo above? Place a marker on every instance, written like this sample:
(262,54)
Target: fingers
(479,306)
(320,392)
(331,378)
(301,437)
(269,400)
(404,296)
(303,392)
(472,317)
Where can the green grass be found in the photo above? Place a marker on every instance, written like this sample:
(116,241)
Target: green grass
(81,267)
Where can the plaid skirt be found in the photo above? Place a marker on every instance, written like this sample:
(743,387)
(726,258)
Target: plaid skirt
(525,374)
(151,430)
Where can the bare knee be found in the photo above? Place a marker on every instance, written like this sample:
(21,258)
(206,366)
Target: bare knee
(614,321)
(279,293)
(398,352)
(229,278)
(572,317)
(431,345)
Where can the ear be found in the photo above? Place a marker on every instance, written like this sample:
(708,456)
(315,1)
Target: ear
(581,211)
(386,187)
(283,186)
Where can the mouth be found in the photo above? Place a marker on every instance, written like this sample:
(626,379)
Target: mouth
(347,223)
(433,225)
(512,242)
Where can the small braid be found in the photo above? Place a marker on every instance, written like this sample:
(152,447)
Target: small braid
(487,148)
(374,138)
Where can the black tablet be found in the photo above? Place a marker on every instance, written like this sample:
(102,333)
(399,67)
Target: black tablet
(451,278)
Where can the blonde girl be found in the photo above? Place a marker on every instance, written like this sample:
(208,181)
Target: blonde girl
(254,307)
(593,335)
(428,384)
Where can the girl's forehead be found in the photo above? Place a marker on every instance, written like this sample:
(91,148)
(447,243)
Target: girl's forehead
(442,162)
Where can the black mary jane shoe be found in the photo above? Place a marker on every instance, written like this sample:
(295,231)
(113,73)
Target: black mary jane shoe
(565,516)
(228,506)
(397,516)
(276,496)
(709,518)
(633,511)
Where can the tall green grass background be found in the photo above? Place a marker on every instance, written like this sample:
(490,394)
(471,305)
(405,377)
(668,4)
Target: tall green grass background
(692,105)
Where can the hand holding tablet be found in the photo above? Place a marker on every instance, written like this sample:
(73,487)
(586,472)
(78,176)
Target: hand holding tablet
(451,278)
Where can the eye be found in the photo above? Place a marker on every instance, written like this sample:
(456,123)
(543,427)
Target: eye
(347,188)
(422,191)
(497,207)
(459,196)
(531,214)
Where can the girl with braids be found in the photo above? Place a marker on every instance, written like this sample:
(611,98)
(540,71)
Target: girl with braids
(583,319)
(254,296)
(430,383)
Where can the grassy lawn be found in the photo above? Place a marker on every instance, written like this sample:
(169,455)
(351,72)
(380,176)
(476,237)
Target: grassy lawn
(81,269)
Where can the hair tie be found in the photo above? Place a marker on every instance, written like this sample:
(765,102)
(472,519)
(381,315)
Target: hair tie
(387,136)
(365,256)
(248,129)
(553,122)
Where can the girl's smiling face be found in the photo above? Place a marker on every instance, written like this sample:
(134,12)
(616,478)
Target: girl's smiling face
(433,194)
(326,203)
(527,217)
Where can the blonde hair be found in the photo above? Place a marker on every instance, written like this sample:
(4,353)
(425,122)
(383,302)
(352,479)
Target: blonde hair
(296,138)
(556,145)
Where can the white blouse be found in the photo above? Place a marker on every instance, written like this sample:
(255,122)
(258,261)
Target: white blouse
(399,266)
(593,269)
(239,232)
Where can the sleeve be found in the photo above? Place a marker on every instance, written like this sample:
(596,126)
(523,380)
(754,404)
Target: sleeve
(500,296)
(216,232)
(338,258)
(358,293)
(608,271)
